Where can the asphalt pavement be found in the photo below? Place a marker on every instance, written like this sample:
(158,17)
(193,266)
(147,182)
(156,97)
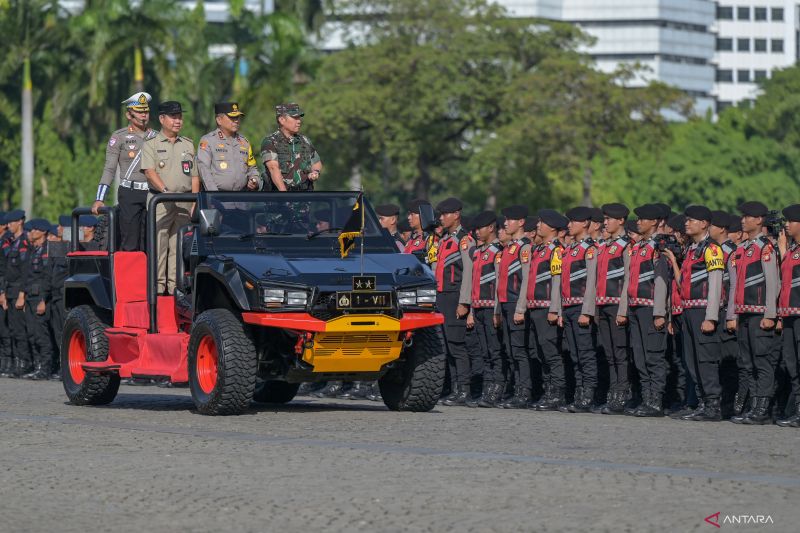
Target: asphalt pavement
(148,462)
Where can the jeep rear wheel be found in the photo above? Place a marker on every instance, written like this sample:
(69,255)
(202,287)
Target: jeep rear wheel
(222,364)
(416,384)
(84,340)
(275,391)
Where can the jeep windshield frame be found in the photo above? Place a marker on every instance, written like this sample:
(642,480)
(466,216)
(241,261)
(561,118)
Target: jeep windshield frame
(281,222)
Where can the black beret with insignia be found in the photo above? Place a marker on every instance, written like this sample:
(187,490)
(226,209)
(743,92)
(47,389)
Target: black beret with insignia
(449,205)
(698,212)
(553,218)
(580,213)
(615,210)
(648,212)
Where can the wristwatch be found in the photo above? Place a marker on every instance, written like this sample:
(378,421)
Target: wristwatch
(164,190)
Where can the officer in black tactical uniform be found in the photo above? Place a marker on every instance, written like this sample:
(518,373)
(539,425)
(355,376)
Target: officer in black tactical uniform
(57,256)
(12,293)
(6,359)
(36,284)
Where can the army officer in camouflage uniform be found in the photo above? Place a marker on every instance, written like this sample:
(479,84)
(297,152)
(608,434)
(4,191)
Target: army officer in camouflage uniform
(124,151)
(291,161)
(224,158)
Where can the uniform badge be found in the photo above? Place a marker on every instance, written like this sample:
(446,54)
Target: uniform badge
(131,154)
(796,256)
(613,249)
(223,165)
(485,256)
(203,145)
(750,252)
(464,243)
(590,253)
(112,141)
(220,146)
(644,253)
(130,136)
(416,243)
(512,249)
(542,254)
(161,164)
(574,252)
(131,147)
(525,256)
(498,258)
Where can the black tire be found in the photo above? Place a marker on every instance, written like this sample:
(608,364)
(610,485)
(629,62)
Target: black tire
(275,392)
(84,337)
(230,391)
(416,384)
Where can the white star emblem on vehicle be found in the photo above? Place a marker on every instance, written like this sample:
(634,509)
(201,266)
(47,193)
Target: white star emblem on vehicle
(369,284)
(358,284)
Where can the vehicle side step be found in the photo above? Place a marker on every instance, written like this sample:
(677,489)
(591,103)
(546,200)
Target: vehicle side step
(100,367)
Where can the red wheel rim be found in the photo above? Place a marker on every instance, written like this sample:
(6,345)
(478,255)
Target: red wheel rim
(207,360)
(77,356)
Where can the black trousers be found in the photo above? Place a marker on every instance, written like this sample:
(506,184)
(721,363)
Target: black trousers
(516,343)
(680,386)
(5,334)
(455,330)
(132,218)
(476,355)
(791,352)
(649,348)
(57,317)
(582,347)
(495,367)
(703,353)
(758,356)
(616,347)
(544,342)
(18,323)
(39,331)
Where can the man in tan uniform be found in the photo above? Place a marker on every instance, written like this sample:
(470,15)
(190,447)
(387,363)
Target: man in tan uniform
(168,164)
(224,158)
(124,151)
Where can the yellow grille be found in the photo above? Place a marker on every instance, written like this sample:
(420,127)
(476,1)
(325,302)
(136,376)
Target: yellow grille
(353,352)
(331,339)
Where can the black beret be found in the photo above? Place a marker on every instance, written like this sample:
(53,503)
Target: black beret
(413,205)
(597,214)
(64,220)
(387,210)
(648,212)
(449,205)
(501,222)
(580,213)
(616,210)
(792,213)
(631,226)
(754,209)
(87,220)
(40,224)
(515,212)
(678,223)
(720,219)
(483,219)
(553,218)
(16,214)
(530,223)
(698,212)
(169,107)
(403,225)
(665,210)
(735,224)
(27,226)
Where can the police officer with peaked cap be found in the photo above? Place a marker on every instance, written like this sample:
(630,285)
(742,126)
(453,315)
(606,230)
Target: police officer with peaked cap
(225,158)
(124,152)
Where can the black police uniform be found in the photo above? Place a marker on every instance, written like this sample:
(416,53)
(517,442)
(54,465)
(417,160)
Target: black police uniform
(37,287)
(6,359)
(57,256)
(14,254)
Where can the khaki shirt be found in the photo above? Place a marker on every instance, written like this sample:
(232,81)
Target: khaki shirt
(174,162)
(226,163)
(124,150)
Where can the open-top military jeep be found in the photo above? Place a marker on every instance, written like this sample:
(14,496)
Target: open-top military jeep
(263,302)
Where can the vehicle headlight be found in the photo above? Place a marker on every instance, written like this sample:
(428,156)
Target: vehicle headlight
(417,297)
(283,298)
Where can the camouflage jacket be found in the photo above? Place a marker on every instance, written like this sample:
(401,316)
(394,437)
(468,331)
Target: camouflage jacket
(294,156)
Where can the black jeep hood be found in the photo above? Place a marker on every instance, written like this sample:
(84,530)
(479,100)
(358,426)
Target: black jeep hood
(391,270)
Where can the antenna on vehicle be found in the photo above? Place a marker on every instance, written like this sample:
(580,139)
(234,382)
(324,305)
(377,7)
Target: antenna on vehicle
(361,196)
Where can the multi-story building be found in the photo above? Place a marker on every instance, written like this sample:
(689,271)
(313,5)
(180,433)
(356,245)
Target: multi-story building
(672,39)
(754,38)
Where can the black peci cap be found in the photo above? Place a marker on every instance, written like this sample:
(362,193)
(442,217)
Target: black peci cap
(449,205)
(698,212)
(387,210)
(483,219)
(754,209)
(515,212)
(616,210)
(579,214)
(170,107)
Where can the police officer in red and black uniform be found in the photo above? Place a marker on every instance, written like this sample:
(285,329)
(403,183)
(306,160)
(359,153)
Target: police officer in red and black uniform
(647,284)
(789,307)
(612,261)
(728,370)
(421,241)
(544,306)
(701,296)
(454,295)
(481,317)
(755,300)
(511,306)
(578,307)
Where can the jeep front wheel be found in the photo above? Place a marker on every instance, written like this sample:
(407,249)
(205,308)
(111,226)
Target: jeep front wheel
(84,340)
(416,383)
(222,364)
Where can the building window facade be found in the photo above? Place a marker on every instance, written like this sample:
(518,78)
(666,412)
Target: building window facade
(743,45)
(743,76)
(759,75)
(724,13)
(777,45)
(760,45)
(725,75)
(777,14)
(725,44)
(742,13)
(760,13)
